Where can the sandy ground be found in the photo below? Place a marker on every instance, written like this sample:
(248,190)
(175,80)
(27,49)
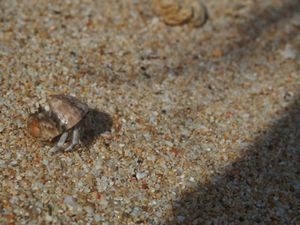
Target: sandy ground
(190,125)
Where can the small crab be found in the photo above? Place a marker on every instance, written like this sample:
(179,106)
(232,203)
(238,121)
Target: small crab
(63,117)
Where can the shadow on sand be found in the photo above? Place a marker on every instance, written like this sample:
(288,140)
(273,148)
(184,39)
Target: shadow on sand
(94,124)
(262,188)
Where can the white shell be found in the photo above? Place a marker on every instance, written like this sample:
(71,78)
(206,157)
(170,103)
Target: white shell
(69,110)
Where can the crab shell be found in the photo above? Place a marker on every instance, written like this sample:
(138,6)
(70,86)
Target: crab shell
(65,113)
(69,110)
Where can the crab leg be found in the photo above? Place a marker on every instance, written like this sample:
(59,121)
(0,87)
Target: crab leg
(75,140)
(60,143)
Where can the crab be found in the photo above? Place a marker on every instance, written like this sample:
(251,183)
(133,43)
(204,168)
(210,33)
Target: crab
(63,117)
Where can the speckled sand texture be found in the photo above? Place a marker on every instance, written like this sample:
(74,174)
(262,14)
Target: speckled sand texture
(187,125)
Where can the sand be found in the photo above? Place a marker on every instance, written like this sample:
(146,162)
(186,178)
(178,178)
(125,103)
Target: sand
(191,125)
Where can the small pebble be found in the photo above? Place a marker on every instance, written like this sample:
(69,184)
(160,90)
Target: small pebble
(140,175)
(2,164)
(288,52)
(1,128)
(296,21)
(135,212)
(69,200)
(48,218)
(99,218)
(181,218)
(13,163)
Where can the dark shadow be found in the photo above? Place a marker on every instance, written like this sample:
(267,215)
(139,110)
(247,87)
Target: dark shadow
(94,124)
(262,188)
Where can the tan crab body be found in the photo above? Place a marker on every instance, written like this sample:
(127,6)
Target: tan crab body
(64,115)
(42,127)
